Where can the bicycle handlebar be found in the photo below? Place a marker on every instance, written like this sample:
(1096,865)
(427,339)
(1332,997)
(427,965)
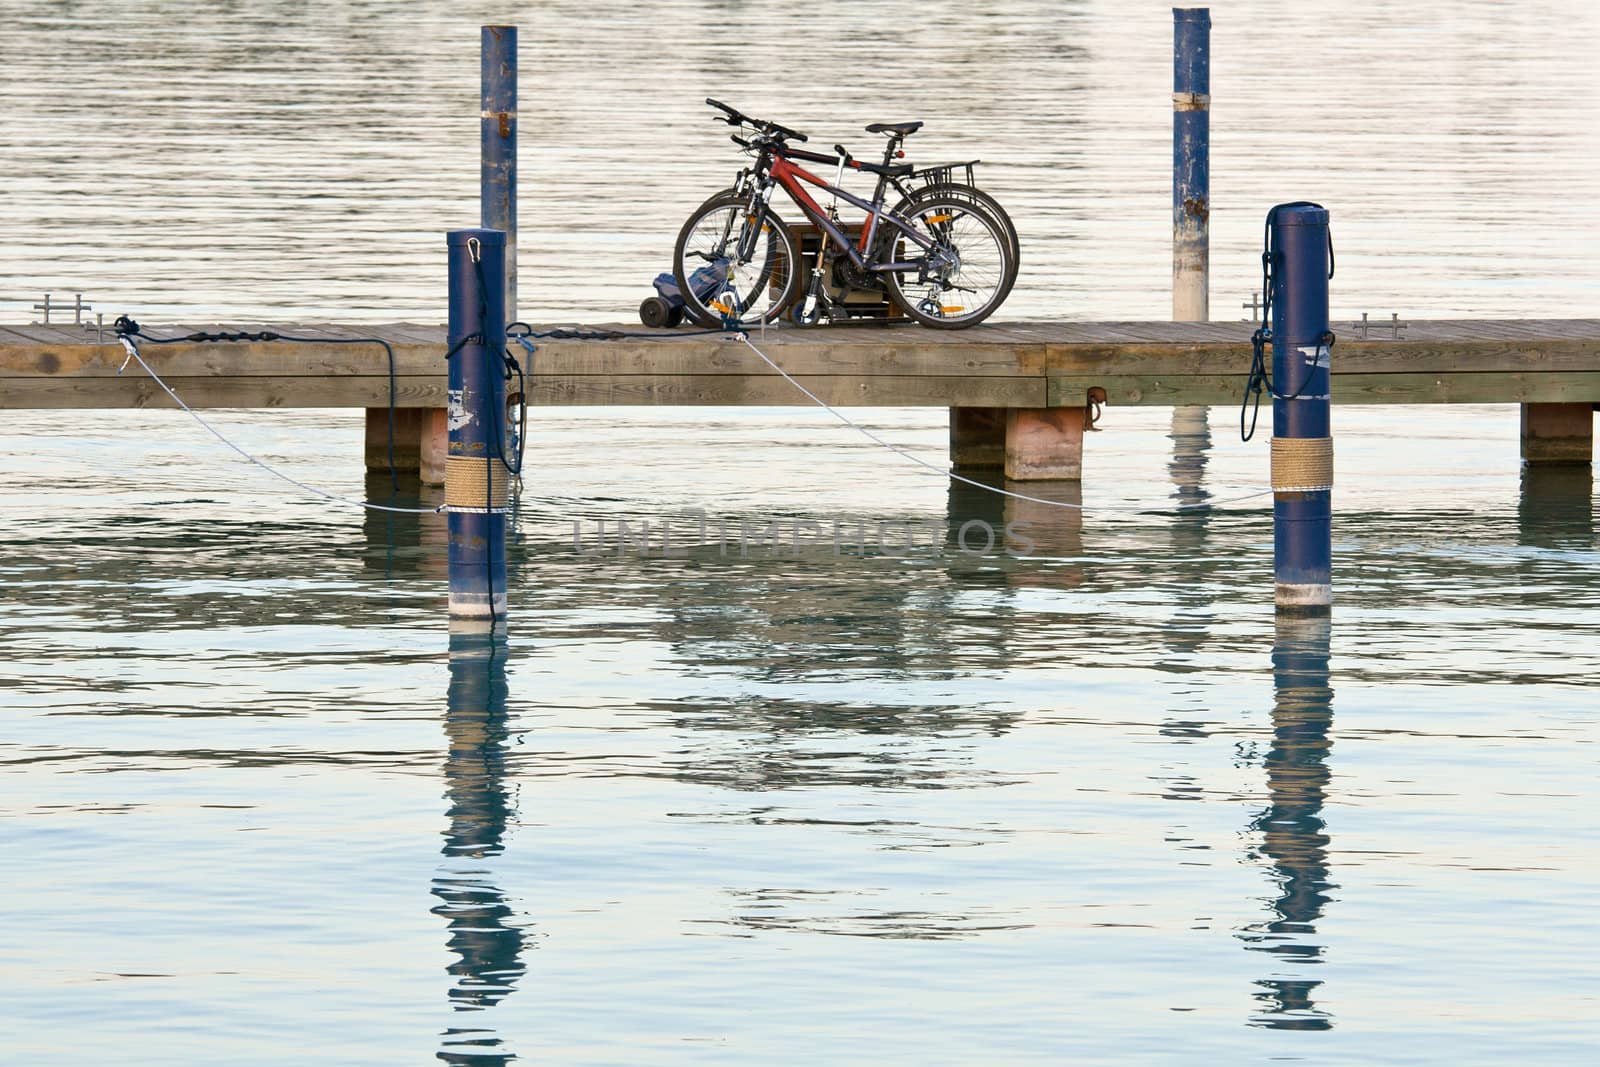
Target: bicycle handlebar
(738,118)
(733,119)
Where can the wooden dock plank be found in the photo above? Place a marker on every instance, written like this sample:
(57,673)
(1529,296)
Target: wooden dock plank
(1375,357)
(413,333)
(715,356)
(242,360)
(49,335)
(138,390)
(1539,387)
(1025,364)
(14,335)
(707,356)
(769,390)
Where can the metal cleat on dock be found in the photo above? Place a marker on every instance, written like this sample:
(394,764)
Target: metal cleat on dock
(1396,328)
(78,308)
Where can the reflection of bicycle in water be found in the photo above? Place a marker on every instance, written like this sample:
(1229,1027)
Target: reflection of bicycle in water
(946,254)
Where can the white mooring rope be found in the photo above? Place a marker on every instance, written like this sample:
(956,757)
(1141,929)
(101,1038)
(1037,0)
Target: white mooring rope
(932,468)
(946,473)
(133,353)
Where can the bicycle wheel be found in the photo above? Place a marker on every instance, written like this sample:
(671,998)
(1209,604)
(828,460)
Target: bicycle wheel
(963,278)
(732,266)
(961,190)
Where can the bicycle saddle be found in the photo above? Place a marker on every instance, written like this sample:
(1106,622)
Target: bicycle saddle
(904,129)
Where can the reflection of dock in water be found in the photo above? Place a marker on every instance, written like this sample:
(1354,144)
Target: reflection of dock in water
(1293,840)
(483,934)
(1555,508)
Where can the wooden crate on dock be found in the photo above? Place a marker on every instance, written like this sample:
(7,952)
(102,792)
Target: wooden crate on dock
(858,303)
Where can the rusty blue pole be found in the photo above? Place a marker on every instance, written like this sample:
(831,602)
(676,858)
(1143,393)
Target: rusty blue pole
(476,478)
(1300,263)
(498,181)
(1191,164)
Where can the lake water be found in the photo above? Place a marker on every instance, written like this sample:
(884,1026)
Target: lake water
(1088,802)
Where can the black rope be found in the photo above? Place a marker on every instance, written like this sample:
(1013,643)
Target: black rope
(570,333)
(1259,376)
(510,365)
(469,339)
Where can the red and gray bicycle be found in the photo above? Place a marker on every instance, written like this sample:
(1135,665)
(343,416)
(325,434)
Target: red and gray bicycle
(945,254)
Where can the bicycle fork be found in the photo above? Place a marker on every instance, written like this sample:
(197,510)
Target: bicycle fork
(747,243)
(816,302)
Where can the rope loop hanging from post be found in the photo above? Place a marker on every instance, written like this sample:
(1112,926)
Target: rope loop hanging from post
(1259,376)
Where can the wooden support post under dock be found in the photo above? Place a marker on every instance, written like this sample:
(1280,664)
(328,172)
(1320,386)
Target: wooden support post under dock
(1044,444)
(407,440)
(977,439)
(1027,444)
(434,446)
(1557,434)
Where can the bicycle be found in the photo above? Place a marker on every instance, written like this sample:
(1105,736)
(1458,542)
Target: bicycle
(938,180)
(943,259)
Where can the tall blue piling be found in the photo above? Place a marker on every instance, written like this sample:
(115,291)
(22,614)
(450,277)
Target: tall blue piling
(1300,263)
(476,479)
(1191,164)
(497,192)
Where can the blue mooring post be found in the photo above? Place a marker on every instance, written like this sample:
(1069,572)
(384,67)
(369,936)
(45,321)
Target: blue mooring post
(476,479)
(497,192)
(1302,446)
(1191,164)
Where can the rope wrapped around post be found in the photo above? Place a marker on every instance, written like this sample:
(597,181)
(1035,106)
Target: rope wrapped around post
(1302,464)
(476,486)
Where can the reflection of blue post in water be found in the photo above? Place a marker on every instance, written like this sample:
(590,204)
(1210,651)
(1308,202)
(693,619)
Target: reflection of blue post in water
(487,945)
(1190,593)
(1291,827)
(1191,445)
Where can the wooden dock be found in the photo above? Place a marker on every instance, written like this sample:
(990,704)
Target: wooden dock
(1034,364)
(1551,367)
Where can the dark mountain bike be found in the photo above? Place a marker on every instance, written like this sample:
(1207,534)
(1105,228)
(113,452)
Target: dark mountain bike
(943,258)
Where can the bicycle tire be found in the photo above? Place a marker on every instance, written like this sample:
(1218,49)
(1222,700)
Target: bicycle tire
(763,282)
(983,200)
(981,275)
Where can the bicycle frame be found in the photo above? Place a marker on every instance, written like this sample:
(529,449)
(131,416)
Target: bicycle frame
(790,175)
